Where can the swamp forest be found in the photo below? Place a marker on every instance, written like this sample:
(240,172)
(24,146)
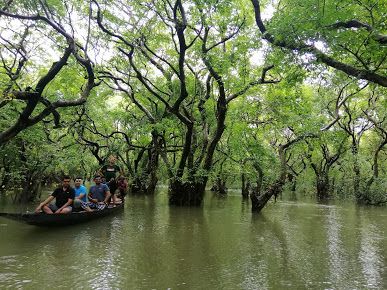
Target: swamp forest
(263,96)
(252,135)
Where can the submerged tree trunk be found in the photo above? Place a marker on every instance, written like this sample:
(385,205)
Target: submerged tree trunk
(4,178)
(356,170)
(186,193)
(146,183)
(219,186)
(258,202)
(322,184)
(293,180)
(30,189)
(375,166)
(245,186)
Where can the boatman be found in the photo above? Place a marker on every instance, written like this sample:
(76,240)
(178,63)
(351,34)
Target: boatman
(99,196)
(110,172)
(63,195)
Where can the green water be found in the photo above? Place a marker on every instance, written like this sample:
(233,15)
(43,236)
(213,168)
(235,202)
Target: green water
(291,245)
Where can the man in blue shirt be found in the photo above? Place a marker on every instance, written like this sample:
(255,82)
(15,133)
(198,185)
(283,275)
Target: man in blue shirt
(99,195)
(80,193)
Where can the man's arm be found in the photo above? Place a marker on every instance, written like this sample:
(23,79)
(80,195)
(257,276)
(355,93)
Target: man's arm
(91,199)
(120,171)
(69,201)
(82,194)
(107,194)
(47,201)
(101,170)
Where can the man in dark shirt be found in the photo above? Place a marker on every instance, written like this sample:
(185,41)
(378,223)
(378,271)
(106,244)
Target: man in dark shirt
(63,195)
(111,171)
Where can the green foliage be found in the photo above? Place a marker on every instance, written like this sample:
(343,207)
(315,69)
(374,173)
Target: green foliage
(377,193)
(121,115)
(313,22)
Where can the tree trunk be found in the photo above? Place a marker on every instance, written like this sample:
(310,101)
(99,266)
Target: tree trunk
(152,183)
(219,186)
(293,181)
(137,186)
(375,165)
(245,187)
(4,178)
(322,184)
(147,182)
(187,193)
(258,202)
(356,170)
(31,188)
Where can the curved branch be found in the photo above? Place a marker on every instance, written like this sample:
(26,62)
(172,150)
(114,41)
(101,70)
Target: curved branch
(381,38)
(320,56)
(254,83)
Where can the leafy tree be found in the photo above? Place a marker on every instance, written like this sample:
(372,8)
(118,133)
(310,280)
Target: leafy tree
(346,35)
(31,91)
(184,87)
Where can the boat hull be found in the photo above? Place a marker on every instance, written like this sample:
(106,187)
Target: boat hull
(54,220)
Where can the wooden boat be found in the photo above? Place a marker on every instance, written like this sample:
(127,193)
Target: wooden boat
(54,220)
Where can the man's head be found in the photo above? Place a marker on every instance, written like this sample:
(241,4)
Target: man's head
(112,159)
(78,182)
(97,179)
(66,181)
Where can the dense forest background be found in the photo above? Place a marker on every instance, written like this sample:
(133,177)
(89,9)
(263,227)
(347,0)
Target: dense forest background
(261,96)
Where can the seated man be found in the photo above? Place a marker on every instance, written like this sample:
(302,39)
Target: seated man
(80,193)
(63,195)
(99,195)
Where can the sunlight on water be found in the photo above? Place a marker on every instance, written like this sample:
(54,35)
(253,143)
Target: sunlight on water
(337,254)
(370,256)
(291,245)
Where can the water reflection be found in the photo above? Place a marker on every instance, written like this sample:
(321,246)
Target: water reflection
(369,256)
(337,254)
(220,245)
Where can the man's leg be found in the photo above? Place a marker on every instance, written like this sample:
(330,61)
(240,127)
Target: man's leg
(77,205)
(50,208)
(86,206)
(67,209)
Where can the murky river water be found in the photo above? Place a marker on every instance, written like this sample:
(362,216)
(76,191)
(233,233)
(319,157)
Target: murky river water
(291,245)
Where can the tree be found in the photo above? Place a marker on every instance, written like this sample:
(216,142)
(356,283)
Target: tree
(183,86)
(30,88)
(376,115)
(327,33)
(323,162)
